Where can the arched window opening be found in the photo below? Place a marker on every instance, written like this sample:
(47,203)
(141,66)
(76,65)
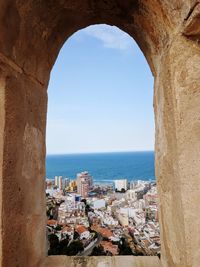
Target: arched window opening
(100,182)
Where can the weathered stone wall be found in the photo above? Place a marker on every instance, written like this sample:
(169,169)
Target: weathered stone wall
(177,112)
(31,35)
(23,148)
(102,261)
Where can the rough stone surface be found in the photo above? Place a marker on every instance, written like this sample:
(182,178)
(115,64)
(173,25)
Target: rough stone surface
(117,261)
(32,33)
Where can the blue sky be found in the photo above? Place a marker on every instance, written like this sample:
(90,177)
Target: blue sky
(100,95)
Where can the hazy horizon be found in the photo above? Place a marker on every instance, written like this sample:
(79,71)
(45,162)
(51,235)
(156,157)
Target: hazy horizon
(99,152)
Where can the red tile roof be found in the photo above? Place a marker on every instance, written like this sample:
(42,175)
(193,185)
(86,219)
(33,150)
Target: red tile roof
(108,246)
(66,229)
(52,222)
(105,232)
(81,229)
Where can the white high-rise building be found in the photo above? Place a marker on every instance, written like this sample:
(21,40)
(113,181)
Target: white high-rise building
(121,184)
(58,182)
(66,182)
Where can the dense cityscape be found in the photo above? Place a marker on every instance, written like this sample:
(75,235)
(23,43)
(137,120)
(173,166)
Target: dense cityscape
(84,218)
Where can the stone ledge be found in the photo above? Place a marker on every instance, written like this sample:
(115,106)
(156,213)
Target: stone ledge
(101,261)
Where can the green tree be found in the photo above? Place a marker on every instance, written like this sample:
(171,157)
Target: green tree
(48,213)
(95,234)
(87,209)
(76,235)
(54,245)
(63,246)
(84,201)
(74,248)
(58,227)
(98,251)
(124,248)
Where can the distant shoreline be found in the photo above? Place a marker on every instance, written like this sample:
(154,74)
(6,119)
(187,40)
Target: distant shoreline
(103,166)
(111,182)
(107,152)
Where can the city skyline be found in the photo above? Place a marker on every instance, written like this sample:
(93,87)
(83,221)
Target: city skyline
(100,95)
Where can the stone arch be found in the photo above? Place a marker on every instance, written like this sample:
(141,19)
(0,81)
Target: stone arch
(32,33)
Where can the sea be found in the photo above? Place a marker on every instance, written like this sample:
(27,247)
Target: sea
(104,167)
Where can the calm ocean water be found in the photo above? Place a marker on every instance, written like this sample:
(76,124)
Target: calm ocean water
(104,167)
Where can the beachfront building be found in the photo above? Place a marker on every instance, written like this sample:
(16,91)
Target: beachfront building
(65,183)
(58,182)
(84,183)
(121,184)
(72,187)
(61,183)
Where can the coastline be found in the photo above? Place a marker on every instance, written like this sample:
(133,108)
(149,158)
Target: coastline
(103,166)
